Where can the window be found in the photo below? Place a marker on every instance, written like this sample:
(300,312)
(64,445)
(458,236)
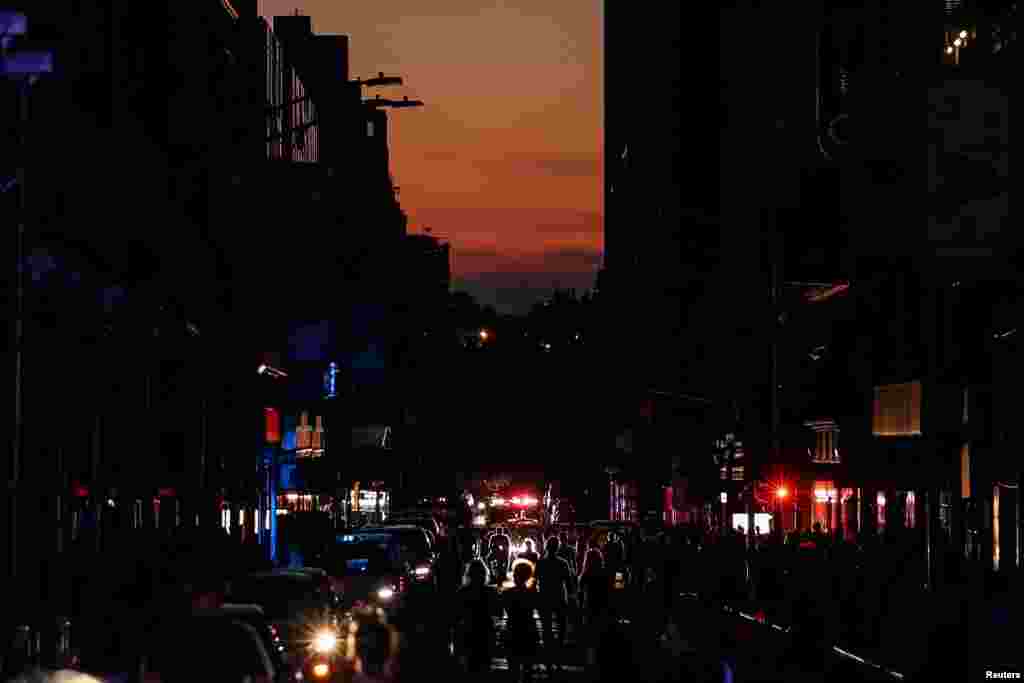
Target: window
(369,129)
(910,511)
(965,471)
(897,410)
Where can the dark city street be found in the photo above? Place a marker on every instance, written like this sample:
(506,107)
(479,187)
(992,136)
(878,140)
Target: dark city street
(511,341)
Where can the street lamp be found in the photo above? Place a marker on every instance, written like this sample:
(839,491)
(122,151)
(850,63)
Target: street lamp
(380,80)
(271,371)
(379,101)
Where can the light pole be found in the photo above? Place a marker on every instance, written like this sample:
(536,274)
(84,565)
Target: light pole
(379,101)
(270,462)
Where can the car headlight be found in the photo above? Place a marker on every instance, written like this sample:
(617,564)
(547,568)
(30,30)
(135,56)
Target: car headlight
(325,642)
(386,593)
(422,572)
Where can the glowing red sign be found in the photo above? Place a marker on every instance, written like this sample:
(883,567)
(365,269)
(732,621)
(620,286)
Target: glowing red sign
(272,421)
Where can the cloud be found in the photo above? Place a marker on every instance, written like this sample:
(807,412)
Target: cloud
(440,155)
(483,263)
(564,167)
(571,168)
(510,228)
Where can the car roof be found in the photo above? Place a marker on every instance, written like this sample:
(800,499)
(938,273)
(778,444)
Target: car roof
(230,610)
(309,571)
(282,574)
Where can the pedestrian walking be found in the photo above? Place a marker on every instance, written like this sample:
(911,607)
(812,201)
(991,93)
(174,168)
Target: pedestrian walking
(567,552)
(595,601)
(530,554)
(519,604)
(476,605)
(555,580)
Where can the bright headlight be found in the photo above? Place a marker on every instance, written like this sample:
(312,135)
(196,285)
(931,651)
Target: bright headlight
(325,642)
(385,593)
(422,572)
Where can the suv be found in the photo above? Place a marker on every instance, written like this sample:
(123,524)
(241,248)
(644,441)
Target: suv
(378,566)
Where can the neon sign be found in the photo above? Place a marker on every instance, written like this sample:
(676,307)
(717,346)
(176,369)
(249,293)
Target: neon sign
(331,381)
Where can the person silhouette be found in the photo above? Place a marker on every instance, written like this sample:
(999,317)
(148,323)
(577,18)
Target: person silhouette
(530,554)
(476,604)
(555,579)
(519,603)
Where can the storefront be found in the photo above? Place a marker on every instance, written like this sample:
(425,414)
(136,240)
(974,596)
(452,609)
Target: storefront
(369,505)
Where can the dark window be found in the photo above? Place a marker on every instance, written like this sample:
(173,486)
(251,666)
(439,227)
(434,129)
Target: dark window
(993,119)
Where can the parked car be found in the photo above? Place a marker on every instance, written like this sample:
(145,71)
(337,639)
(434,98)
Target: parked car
(299,604)
(212,645)
(424,520)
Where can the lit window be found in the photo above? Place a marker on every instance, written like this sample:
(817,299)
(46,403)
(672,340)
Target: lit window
(897,410)
(965,470)
(995,528)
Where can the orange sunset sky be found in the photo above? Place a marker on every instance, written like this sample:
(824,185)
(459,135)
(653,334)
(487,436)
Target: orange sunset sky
(504,161)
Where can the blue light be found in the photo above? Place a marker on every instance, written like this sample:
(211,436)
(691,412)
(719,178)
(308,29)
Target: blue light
(331,381)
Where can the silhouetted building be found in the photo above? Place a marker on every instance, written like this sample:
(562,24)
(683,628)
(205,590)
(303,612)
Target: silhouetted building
(428,277)
(228,199)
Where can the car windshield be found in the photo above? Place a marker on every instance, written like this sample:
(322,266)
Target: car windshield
(281,597)
(363,558)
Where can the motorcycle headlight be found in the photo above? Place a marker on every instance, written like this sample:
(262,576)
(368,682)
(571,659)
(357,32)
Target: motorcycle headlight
(325,642)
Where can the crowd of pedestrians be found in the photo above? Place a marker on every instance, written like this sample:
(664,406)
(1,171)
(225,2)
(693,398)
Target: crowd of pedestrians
(585,585)
(635,603)
(868,595)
